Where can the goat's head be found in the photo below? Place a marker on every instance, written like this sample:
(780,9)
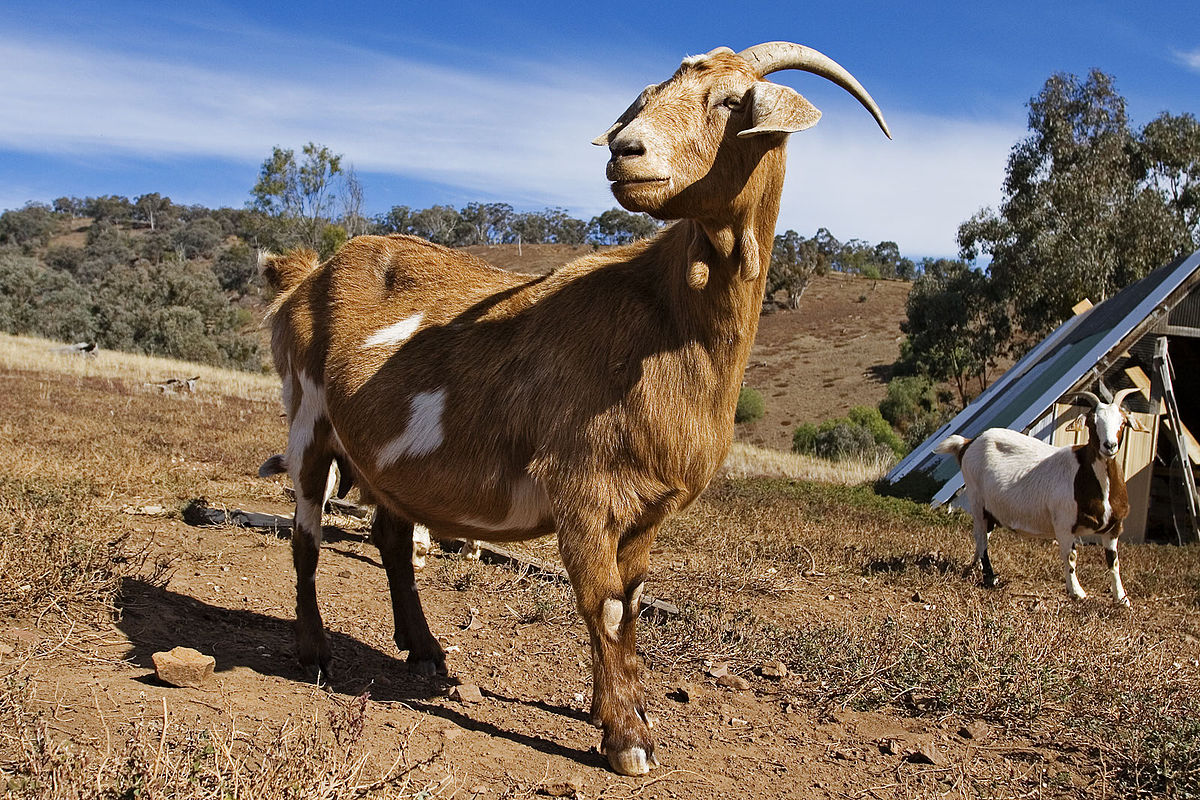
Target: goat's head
(1106,422)
(688,147)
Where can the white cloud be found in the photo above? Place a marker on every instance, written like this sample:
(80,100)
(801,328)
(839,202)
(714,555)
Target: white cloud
(523,137)
(1191,59)
(844,175)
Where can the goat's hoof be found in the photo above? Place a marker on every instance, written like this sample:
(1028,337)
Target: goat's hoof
(318,674)
(427,667)
(991,581)
(1124,602)
(633,761)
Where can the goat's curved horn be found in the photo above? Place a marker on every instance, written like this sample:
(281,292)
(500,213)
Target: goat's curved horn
(1120,396)
(1091,398)
(774,56)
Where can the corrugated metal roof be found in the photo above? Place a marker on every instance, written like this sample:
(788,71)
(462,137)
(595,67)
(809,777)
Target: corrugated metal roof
(1060,363)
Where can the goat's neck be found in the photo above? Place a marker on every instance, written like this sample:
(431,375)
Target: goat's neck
(717,291)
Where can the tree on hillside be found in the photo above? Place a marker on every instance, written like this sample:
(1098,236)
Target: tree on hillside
(618,226)
(794,262)
(151,209)
(956,325)
(301,192)
(352,205)
(1168,151)
(438,224)
(1078,219)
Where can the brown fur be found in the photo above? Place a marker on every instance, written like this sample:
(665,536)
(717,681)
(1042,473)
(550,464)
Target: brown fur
(607,388)
(1089,496)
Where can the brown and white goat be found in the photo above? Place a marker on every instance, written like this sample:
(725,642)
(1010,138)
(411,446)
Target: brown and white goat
(1075,494)
(593,402)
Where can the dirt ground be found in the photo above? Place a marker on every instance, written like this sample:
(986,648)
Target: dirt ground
(760,573)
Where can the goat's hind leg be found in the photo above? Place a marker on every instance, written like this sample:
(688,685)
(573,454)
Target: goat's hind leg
(309,477)
(394,538)
(984,523)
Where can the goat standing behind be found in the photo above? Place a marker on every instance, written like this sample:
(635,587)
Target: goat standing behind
(593,402)
(1075,493)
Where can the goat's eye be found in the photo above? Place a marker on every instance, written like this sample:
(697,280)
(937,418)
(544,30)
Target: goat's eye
(733,103)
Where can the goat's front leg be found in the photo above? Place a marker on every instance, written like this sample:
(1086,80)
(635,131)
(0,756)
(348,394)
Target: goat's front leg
(1114,571)
(1067,549)
(608,603)
(394,538)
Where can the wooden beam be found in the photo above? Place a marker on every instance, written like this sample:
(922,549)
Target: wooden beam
(199,512)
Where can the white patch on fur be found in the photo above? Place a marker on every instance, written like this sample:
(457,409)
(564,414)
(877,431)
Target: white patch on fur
(423,434)
(635,598)
(528,505)
(611,614)
(395,334)
(421,544)
(1109,421)
(302,430)
(308,517)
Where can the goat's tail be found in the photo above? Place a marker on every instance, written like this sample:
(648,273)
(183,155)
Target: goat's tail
(283,272)
(955,445)
(274,465)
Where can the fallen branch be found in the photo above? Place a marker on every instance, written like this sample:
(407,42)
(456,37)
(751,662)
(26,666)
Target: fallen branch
(199,512)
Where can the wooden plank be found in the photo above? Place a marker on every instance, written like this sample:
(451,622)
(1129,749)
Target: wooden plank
(1142,381)
(495,554)
(198,512)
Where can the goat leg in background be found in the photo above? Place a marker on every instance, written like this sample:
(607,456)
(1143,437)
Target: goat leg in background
(1114,569)
(394,538)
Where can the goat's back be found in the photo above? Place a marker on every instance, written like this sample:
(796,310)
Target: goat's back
(1024,483)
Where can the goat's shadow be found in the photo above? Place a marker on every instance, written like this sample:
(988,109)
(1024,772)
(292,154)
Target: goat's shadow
(155,618)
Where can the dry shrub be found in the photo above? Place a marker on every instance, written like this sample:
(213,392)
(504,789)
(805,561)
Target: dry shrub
(158,757)
(50,555)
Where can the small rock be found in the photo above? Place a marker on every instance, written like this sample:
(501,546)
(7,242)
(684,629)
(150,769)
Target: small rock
(184,667)
(916,598)
(889,747)
(829,597)
(571,787)
(345,573)
(473,624)
(683,693)
(578,699)
(478,788)
(975,730)
(718,669)
(924,753)
(738,722)
(775,670)
(731,681)
(466,693)
(451,734)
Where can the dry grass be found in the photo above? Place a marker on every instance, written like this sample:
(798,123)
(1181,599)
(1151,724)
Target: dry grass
(32,354)
(1121,688)
(320,755)
(749,461)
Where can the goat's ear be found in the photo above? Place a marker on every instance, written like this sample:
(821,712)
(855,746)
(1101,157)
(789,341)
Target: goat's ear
(778,109)
(603,139)
(1135,424)
(1077,424)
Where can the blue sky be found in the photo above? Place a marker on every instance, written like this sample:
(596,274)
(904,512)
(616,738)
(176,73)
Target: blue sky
(456,102)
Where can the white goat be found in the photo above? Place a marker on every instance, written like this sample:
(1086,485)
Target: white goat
(1075,493)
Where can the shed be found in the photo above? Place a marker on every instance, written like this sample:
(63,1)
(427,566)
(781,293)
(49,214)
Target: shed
(1138,337)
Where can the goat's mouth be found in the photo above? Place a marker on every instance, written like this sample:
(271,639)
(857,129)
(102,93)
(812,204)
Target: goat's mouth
(628,182)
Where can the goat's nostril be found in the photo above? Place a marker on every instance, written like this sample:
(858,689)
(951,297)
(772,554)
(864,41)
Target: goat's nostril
(628,148)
